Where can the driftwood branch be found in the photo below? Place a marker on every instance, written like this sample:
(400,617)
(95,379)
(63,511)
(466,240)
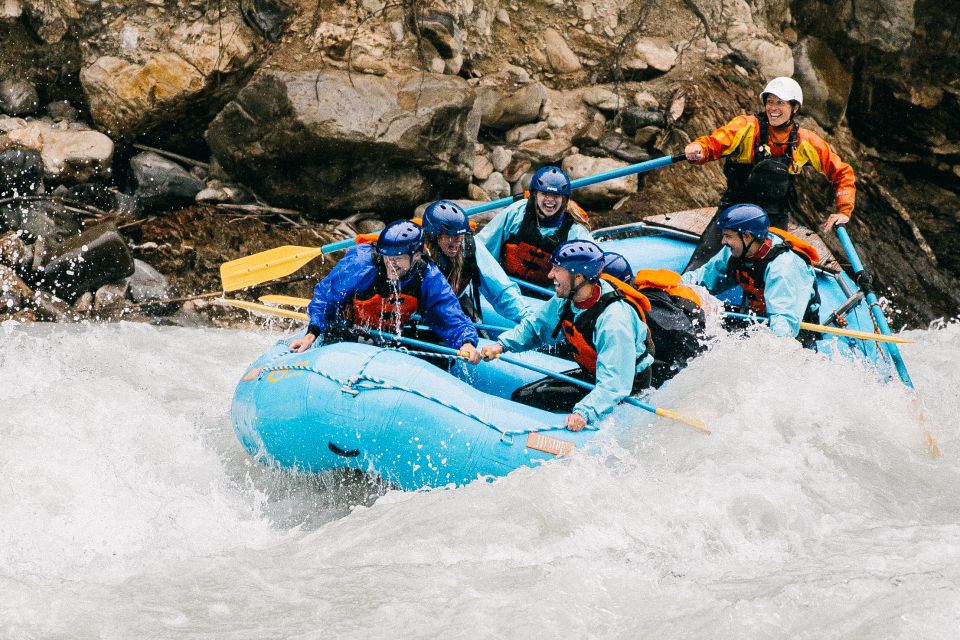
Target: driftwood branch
(173,156)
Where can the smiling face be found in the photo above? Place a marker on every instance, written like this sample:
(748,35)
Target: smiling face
(778,111)
(548,204)
(737,243)
(451,246)
(563,280)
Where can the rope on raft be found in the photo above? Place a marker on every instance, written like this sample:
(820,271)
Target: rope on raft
(354,385)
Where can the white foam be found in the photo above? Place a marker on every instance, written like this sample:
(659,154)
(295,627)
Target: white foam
(813,511)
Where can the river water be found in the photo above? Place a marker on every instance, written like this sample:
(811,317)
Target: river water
(129,510)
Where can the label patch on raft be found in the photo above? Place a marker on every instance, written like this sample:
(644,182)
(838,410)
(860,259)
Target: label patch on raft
(548,444)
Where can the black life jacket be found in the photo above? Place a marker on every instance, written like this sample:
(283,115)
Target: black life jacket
(675,320)
(751,276)
(766,181)
(526,253)
(382,306)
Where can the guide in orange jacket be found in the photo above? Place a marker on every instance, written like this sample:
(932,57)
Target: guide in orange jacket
(764,152)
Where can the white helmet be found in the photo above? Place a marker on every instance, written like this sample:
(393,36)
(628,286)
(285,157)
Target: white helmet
(784,88)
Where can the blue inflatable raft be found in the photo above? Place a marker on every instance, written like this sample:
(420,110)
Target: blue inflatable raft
(414,424)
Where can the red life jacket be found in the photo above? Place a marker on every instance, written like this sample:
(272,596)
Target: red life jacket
(750,274)
(384,307)
(526,253)
(579,331)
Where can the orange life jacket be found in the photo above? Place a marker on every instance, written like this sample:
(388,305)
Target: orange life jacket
(579,331)
(384,307)
(526,253)
(667,281)
(750,274)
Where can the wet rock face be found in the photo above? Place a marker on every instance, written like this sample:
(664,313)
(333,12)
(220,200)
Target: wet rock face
(825,80)
(98,255)
(326,141)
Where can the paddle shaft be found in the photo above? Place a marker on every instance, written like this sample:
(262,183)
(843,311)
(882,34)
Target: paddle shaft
(820,328)
(640,167)
(806,326)
(864,283)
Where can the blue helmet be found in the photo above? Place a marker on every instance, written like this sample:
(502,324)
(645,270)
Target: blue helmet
(579,256)
(400,238)
(617,266)
(445,217)
(745,218)
(551,180)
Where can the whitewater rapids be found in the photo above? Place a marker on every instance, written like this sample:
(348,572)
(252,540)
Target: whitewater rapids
(130,510)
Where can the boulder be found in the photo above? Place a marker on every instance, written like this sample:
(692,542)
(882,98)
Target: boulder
(646,100)
(48,18)
(128,98)
(772,58)
(162,184)
(591,133)
(545,151)
(603,193)
(62,110)
(329,141)
(561,58)
(97,256)
(18,97)
(656,54)
(524,132)
(825,80)
(496,186)
(603,99)
(147,284)
(518,166)
(71,153)
(502,111)
(10,9)
(111,297)
(34,218)
(482,167)
(14,292)
(47,307)
(614,145)
(500,157)
(633,119)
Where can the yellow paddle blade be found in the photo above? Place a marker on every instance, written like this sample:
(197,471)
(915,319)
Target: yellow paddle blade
(289,301)
(693,422)
(266,265)
(862,335)
(262,308)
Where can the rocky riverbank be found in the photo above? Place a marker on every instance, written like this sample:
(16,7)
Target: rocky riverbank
(143,144)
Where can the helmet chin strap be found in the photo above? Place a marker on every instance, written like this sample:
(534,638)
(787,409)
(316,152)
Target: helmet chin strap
(743,241)
(575,290)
